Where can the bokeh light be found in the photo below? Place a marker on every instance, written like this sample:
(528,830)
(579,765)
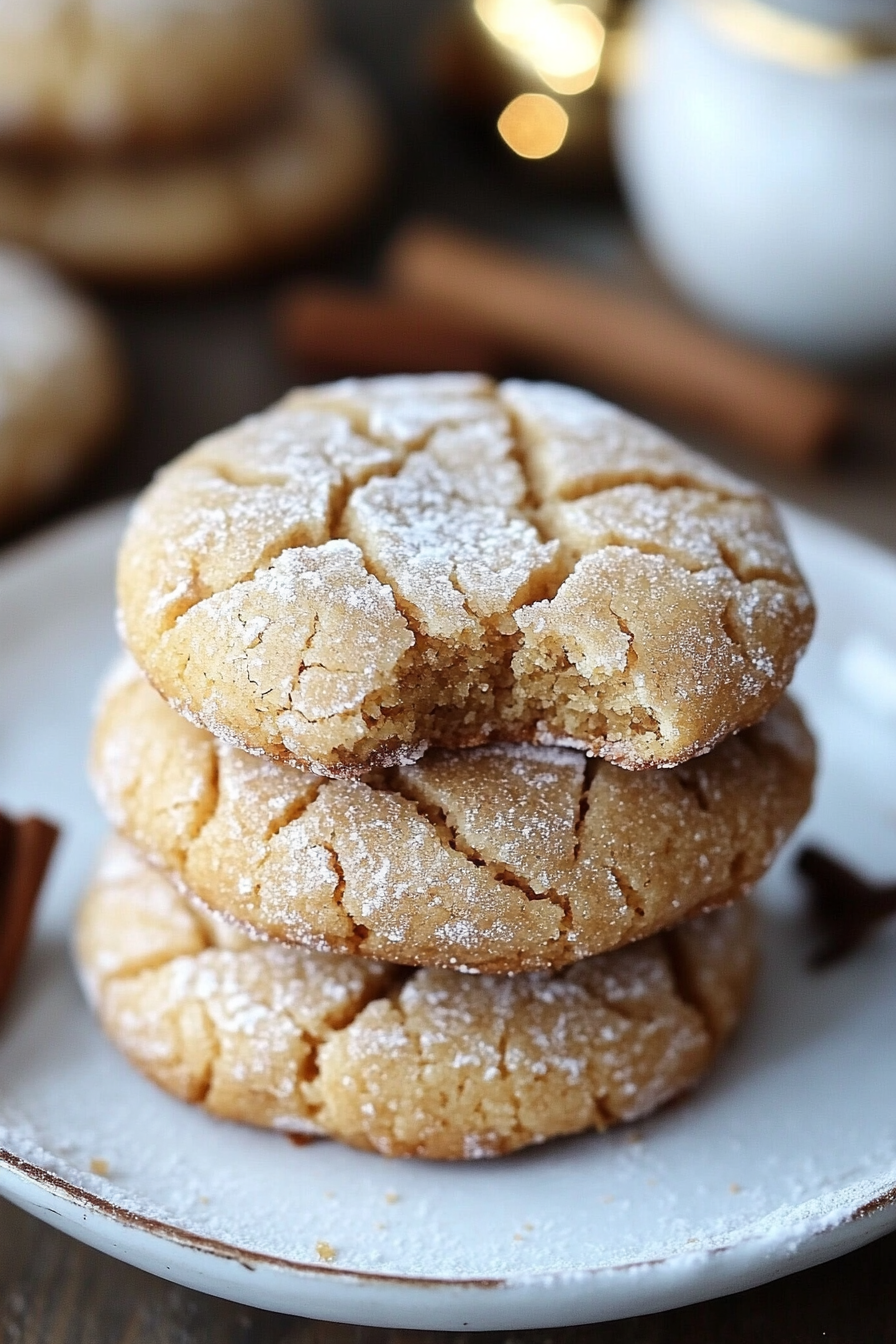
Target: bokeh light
(563,43)
(533,125)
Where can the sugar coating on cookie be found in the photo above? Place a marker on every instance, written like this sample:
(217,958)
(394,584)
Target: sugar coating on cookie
(499,858)
(148,74)
(61,386)
(427,1063)
(279,188)
(370,568)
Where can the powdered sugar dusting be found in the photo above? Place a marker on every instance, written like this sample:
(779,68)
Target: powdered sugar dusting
(577,444)
(556,567)
(448,560)
(293,1039)
(503,857)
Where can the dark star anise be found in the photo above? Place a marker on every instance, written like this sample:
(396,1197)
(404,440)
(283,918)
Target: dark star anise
(843,906)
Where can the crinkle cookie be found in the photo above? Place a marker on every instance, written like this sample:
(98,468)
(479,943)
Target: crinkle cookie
(426,1063)
(61,385)
(499,858)
(278,189)
(370,568)
(117,74)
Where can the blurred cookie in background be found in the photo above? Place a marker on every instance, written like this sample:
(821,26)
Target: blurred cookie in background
(61,386)
(110,75)
(275,190)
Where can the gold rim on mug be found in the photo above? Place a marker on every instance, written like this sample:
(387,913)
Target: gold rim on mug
(766,31)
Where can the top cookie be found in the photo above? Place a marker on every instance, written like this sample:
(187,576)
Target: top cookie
(115,74)
(370,568)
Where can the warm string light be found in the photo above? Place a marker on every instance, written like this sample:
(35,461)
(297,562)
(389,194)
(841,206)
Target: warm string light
(533,125)
(563,43)
(565,46)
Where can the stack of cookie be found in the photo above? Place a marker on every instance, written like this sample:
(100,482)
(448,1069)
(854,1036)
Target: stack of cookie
(173,140)
(399,862)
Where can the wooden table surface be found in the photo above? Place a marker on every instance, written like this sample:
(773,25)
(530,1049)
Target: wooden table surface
(201,360)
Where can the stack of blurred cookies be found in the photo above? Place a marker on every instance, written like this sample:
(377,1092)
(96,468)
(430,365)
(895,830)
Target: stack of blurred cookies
(450,741)
(173,140)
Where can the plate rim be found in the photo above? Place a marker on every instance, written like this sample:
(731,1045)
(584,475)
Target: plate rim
(546,1300)
(877,1205)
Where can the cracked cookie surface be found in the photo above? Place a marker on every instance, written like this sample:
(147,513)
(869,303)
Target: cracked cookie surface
(277,188)
(88,75)
(371,568)
(499,858)
(427,1063)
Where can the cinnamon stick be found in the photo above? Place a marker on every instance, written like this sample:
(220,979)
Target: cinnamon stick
(25,851)
(330,331)
(645,355)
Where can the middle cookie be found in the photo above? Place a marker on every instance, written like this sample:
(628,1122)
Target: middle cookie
(501,858)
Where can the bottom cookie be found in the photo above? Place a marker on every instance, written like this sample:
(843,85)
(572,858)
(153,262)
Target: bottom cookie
(424,1063)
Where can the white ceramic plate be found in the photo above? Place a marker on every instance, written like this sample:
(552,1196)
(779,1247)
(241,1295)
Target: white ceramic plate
(787,1156)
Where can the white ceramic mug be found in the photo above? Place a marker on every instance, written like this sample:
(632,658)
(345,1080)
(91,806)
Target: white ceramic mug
(767,191)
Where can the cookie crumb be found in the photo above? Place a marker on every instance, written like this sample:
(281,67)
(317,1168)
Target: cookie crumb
(608,1199)
(517,1236)
(735,1188)
(326,1252)
(392,1197)
(99,1166)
